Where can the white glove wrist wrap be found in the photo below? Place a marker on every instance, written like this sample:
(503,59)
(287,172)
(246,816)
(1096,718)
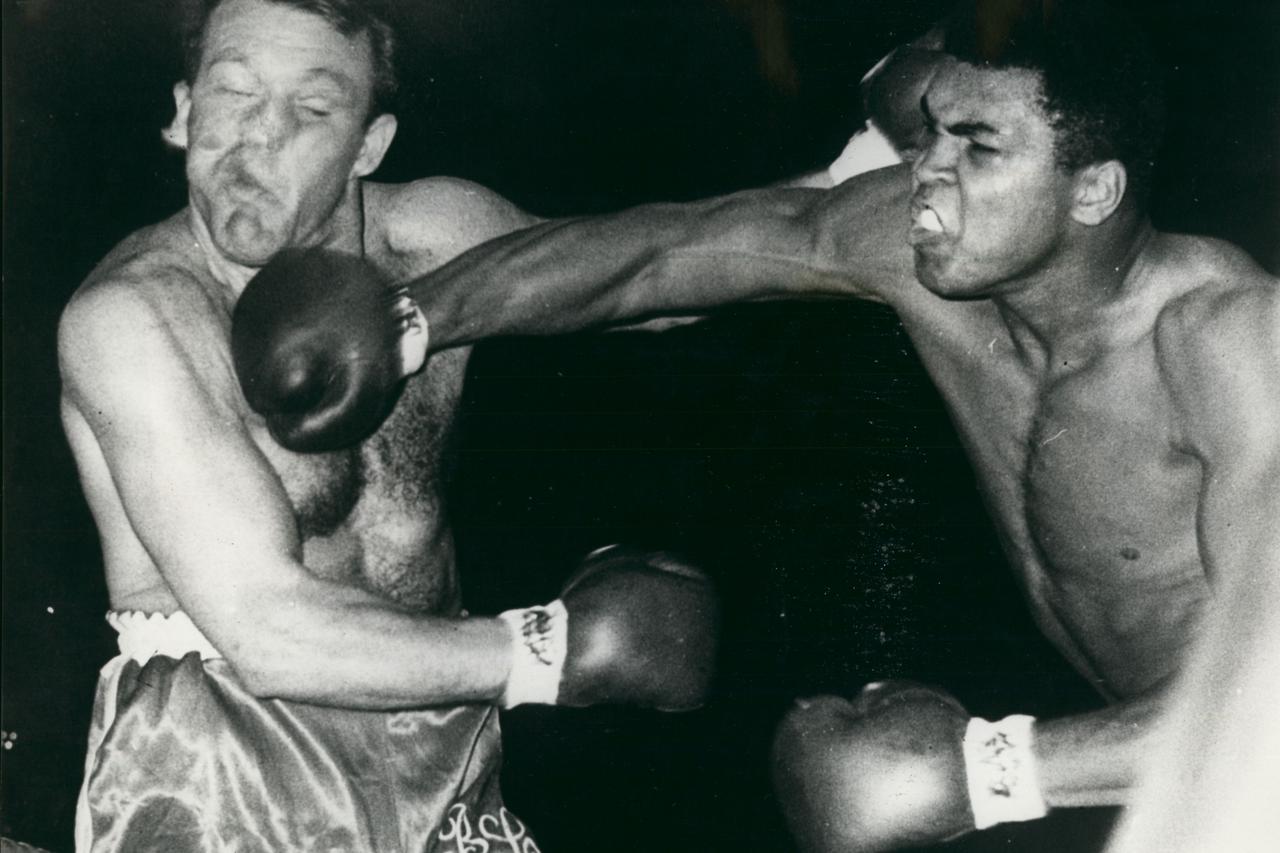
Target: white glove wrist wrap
(539,643)
(414,333)
(1001,769)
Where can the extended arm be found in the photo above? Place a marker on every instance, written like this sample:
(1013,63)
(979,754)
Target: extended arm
(321,342)
(674,259)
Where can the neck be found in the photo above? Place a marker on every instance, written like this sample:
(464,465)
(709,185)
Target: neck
(1057,316)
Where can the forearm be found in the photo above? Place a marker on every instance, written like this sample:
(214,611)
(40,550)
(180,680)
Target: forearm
(1092,759)
(328,643)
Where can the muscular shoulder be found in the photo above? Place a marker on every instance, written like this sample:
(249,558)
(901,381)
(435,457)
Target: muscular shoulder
(145,300)
(1226,302)
(1218,340)
(427,222)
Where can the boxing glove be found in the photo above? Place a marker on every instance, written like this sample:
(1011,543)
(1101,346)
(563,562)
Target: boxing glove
(630,627)
(321,345)
(883,771)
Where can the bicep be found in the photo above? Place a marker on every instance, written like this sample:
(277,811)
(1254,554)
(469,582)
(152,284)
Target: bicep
(849,242)
(197,493)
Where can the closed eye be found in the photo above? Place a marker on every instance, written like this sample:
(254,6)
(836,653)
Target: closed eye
(319,109)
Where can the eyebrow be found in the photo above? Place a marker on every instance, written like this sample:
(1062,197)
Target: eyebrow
(325,75)
(960,128)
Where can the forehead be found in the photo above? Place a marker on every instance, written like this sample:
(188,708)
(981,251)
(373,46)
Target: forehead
(280,37)
(1008,99)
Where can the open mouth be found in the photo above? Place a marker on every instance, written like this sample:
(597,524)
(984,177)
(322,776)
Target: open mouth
(927,219)
(926,224)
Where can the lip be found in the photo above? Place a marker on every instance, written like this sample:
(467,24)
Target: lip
(918,235)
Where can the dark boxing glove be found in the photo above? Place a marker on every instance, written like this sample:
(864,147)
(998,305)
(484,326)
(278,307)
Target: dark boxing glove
(630,627)
(321,345)
(902,765)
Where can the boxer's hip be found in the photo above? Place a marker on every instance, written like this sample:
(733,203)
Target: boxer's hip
(182,757)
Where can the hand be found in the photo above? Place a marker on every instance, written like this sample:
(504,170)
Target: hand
(881,772)
(321,343)
(638,628)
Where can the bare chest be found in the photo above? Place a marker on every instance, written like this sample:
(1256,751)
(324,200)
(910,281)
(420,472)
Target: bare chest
(1107,488)
(372,515)
(1094,499)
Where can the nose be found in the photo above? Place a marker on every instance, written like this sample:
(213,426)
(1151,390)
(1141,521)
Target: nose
(268,124)
(937,160)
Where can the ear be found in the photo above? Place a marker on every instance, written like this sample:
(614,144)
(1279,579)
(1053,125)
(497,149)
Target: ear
(1099,189)
(377,139)
(175,135)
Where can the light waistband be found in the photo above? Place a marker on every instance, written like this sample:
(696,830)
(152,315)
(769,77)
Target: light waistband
(142,636)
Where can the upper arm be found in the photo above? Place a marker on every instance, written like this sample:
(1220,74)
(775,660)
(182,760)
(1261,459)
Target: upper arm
(1220,353)
(773,244)
(158,396)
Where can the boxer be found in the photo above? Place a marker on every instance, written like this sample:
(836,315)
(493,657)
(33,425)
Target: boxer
(1114,386)
(296,669)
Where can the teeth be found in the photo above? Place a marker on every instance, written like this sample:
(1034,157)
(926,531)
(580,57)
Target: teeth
(928,220)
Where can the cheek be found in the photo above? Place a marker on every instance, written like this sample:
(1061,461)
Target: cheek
(1011,217)
(212,130)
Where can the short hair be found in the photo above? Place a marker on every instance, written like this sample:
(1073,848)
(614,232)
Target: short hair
(1102,89)
(349,17)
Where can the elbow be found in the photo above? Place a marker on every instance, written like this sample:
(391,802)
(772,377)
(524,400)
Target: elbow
(266,652)
(259,671)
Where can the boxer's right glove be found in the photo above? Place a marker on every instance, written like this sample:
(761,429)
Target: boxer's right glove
(321,344)
(902,765)
(630,627)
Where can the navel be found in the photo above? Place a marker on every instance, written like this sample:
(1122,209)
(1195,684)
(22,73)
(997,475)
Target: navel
(1130,553)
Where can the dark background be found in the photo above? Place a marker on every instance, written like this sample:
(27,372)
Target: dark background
(795,450)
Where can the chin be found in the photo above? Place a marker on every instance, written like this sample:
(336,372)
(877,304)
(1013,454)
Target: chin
(248,247)
(942,279)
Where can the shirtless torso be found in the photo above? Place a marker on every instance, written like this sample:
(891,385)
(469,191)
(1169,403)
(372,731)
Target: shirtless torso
(368,517)
(1087,464)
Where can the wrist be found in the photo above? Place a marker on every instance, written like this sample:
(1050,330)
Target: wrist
(415,334)
(1000,766)
(539,644)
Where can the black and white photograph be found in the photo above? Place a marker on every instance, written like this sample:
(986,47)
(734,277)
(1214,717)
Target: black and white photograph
(577,426)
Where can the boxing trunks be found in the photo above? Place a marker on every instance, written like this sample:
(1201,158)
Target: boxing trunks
(183,758)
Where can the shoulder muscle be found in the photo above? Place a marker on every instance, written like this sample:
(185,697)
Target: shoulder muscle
(1219,350)
(443,216)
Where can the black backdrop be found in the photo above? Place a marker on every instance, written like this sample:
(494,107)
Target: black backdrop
(797,451)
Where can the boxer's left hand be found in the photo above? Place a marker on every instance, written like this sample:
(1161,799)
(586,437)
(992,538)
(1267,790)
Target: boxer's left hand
(320,343)
(883,771)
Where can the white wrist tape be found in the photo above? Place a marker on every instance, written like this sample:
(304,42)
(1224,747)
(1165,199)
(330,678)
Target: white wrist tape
(1001,768)
(539,643)
(414,332)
